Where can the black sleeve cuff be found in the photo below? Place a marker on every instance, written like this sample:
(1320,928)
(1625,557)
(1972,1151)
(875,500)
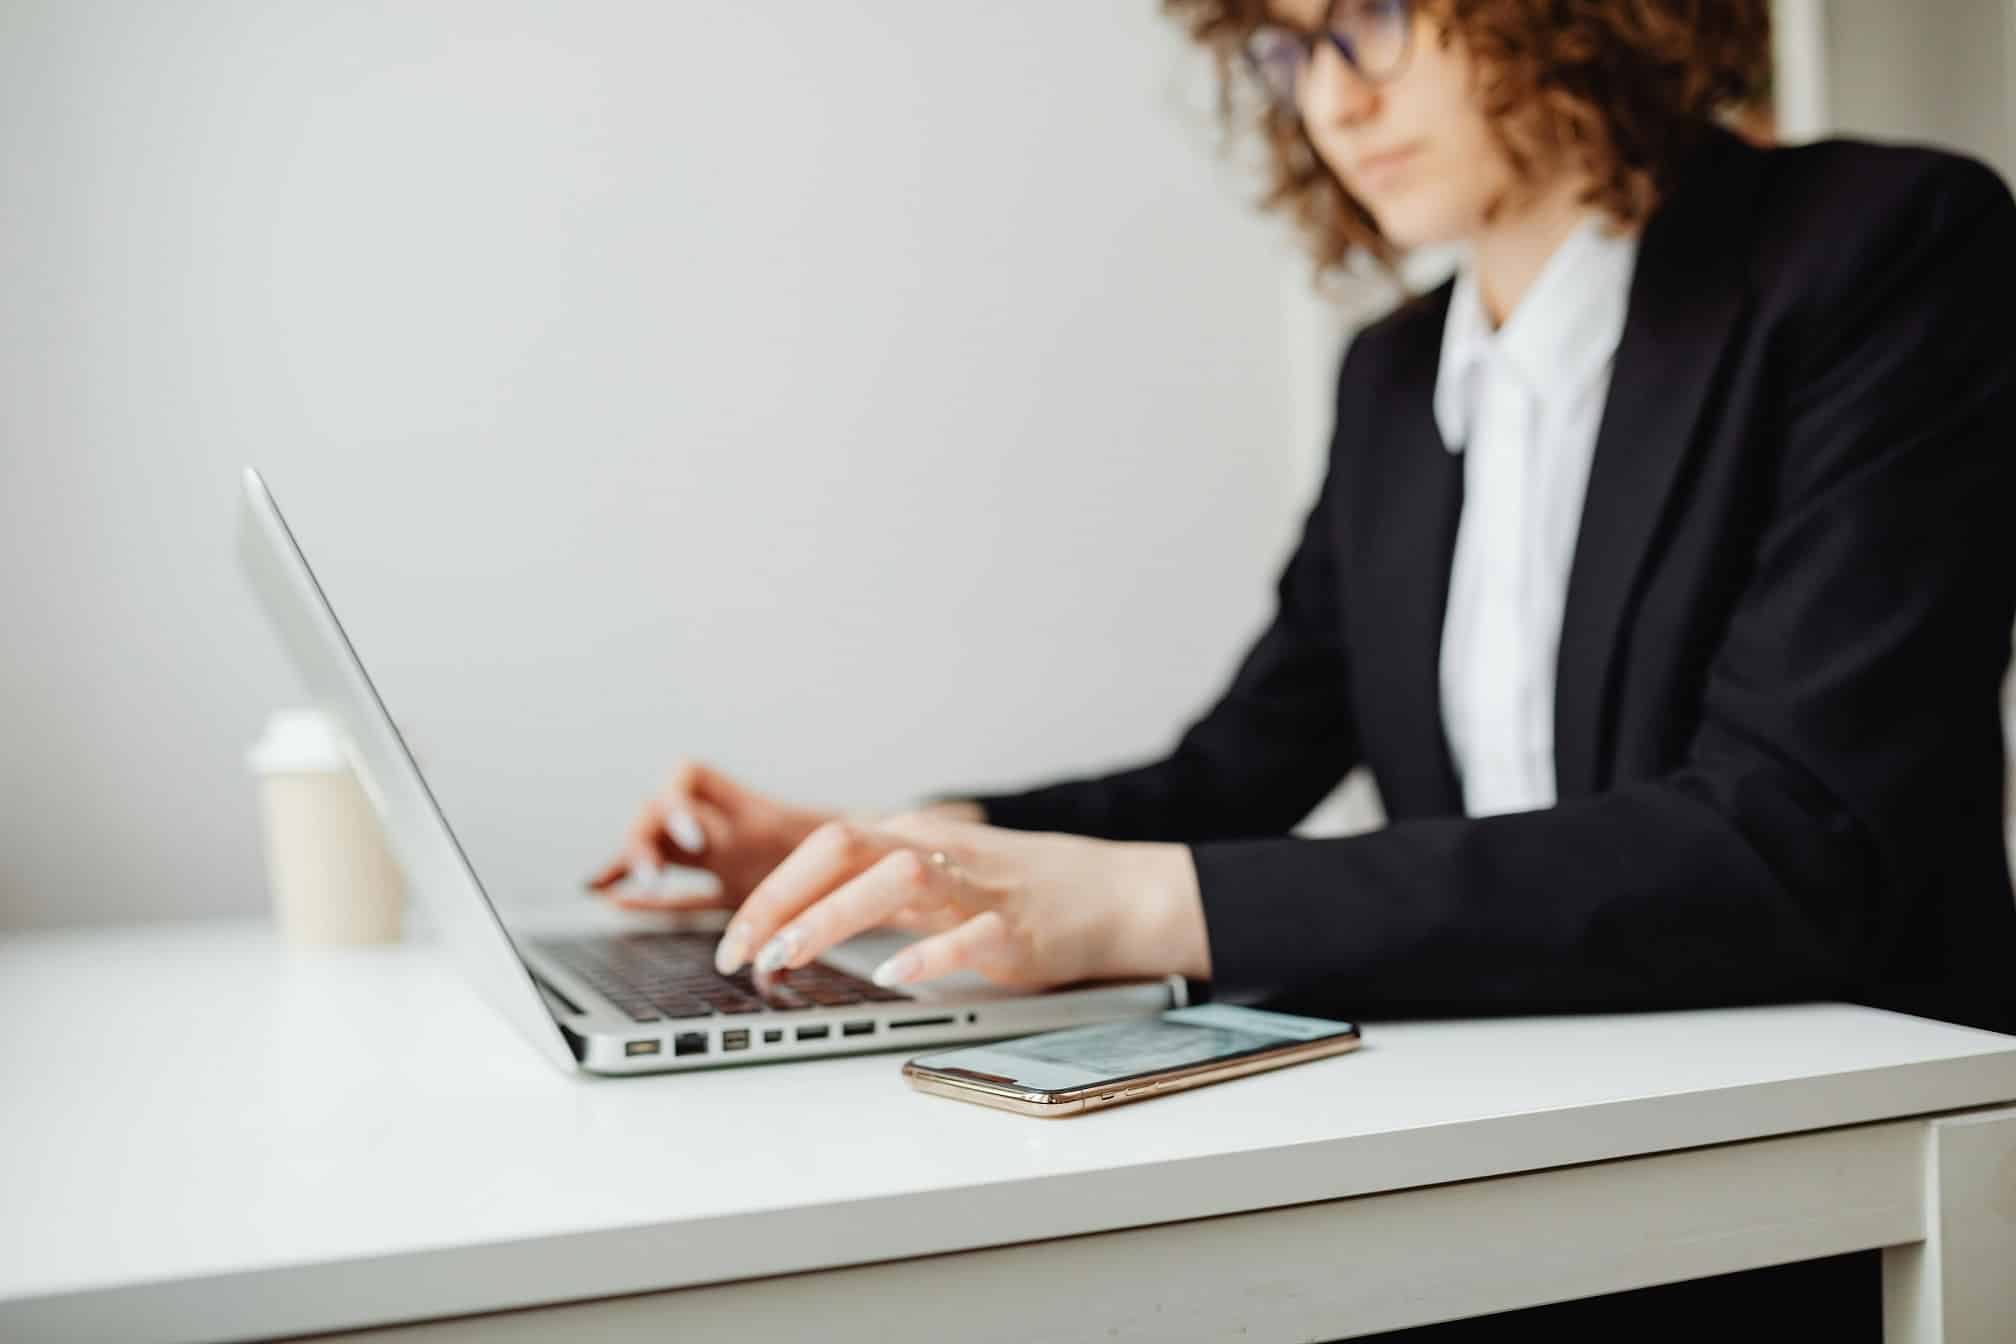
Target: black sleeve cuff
(1246,932)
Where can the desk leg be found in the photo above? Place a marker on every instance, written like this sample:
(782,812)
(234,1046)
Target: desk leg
(1958,1286)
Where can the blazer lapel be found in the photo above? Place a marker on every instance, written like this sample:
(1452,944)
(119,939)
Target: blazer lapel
(1407,525)
(1686,294)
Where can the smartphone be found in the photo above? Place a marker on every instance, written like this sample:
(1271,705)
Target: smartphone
(1090,1068)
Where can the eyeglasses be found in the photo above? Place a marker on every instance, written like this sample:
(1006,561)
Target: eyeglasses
(1373,36)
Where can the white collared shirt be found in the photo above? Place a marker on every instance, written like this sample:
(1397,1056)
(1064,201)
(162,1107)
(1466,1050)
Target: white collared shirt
(1522,404)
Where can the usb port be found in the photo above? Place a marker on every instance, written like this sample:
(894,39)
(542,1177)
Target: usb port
(642,1047)
(812,1033)
(772,1035)
(858,1029)
(735,1040)
(690,1043)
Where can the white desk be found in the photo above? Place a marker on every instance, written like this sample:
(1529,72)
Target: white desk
(206,1137)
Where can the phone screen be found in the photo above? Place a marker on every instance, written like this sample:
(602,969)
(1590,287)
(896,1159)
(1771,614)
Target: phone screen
(1119,1049)
(1113,1051)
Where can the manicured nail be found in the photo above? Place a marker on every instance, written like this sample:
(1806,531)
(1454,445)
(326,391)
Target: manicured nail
(778,950)
(733,950)
(677,890)
(686,832)
(900,969)
(644,876)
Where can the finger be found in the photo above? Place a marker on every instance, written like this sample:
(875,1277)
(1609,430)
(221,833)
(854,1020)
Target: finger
(641,859)
(674,886)
(643,843)
(829,856)
(684,829)
(676,825)
(669,888)
(661,875)
(696,781)
(649,853)
(922,922)
(981,942)
(695,828)
(683,787)
(898,880)
(605,878)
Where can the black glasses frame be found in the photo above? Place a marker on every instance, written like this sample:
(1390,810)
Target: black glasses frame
(1342,31)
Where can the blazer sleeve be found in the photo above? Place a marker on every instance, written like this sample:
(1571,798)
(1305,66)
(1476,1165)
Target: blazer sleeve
(1274,744)
(1774,862)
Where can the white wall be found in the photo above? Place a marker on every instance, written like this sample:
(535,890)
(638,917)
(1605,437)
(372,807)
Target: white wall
(872,396)
(1941,73)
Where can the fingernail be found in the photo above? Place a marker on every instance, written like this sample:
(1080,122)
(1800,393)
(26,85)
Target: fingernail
(733,951)
(675,882)
(644,876)
(898,970)
(685,831)
(778,950)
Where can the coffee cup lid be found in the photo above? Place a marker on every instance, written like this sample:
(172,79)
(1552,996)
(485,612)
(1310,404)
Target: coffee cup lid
(298,740)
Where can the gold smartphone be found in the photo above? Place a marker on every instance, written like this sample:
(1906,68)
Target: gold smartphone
(1090,1068)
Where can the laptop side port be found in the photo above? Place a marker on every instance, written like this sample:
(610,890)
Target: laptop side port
(943,1020)
(858,1029)
(812,1033)
(690,1043)
(735,1040)
(642,1047)
(772,1035)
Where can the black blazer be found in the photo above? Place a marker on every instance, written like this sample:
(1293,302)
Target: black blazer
(1777,730)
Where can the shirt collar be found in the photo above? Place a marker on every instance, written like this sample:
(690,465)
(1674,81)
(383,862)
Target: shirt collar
(1558,340)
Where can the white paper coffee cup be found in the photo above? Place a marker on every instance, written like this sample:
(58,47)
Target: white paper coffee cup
(333,878)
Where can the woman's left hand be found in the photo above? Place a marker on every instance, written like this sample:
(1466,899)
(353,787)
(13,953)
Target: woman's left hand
(1023,909)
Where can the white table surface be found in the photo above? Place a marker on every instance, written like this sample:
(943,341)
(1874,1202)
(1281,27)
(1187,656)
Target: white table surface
(209,1135)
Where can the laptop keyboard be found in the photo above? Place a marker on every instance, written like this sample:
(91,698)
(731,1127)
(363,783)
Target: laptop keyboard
(651,976)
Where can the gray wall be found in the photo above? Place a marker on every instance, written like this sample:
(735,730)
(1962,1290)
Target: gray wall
(1942,73)
(872,396)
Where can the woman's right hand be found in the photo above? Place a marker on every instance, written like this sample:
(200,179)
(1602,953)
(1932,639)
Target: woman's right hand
(703,820)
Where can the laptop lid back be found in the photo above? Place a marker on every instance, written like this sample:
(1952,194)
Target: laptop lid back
(436,867)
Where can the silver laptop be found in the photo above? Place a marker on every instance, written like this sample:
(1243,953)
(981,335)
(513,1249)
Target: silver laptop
(608,995)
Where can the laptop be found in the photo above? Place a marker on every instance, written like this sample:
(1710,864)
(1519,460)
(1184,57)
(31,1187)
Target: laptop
(602,994)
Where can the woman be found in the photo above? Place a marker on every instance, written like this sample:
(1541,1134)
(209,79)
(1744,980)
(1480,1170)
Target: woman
(1662,575)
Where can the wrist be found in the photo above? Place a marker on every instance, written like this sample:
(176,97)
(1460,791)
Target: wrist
(1162,919)
(955,809)
(943,809)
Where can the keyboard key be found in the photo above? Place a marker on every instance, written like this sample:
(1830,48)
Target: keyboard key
(647,975)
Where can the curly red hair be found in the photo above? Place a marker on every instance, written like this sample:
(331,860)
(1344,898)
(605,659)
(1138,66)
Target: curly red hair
(1624,88)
